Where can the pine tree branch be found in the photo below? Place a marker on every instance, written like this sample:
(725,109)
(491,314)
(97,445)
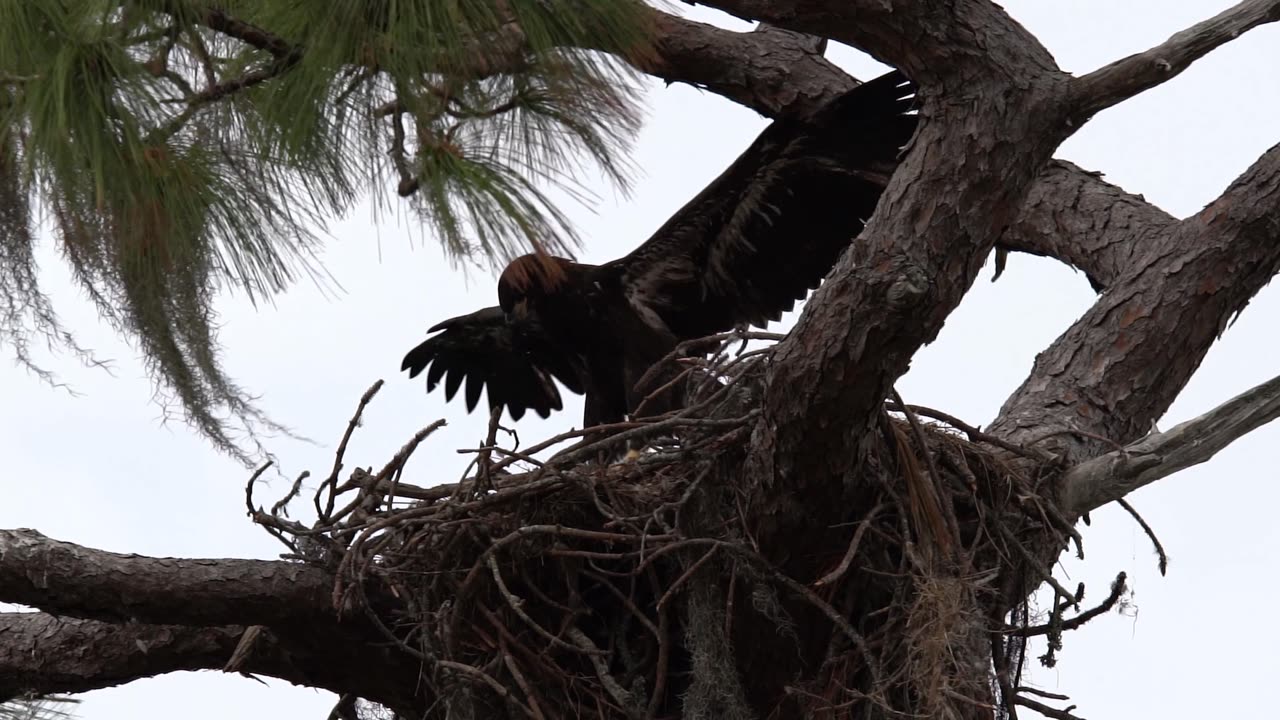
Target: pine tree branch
(44,654)
(1074,216)
(1142,71)
(954,194)
(221,21)
(771,71)
(1071,214)
(925,39)
(72,580)
(1122,364)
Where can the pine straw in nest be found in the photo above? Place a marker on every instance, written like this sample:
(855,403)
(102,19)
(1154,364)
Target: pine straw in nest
(567,587)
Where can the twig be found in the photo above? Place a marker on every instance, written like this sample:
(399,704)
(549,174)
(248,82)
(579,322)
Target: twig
(1164,559)
(1036,440)
(516,604)
(331,482)
(487,679)
(1000,662)
(248,488)
(852,550)
(596,655)
(1117,591)
(664,657)
(518,676)
(973,433)
(1042,693)
(1034,563)
(684,577)
(289,496)
(1045,710)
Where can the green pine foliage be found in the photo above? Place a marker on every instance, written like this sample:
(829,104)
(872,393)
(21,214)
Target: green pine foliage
(176,149)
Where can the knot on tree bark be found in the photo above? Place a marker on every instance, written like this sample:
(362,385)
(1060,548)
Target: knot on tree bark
(909,287)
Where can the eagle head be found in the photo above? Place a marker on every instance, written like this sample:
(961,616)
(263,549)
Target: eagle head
(530,277)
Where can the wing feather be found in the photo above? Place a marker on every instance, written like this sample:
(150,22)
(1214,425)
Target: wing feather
(453,381)
(515,363)
(475,385)
(771,226)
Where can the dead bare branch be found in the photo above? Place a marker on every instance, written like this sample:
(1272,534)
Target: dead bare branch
(1125,78)
(1110,477)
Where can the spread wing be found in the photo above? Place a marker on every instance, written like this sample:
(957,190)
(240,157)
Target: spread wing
(514,361)
(768,229)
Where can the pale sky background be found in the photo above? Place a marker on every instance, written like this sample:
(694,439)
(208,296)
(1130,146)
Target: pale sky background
(101,470)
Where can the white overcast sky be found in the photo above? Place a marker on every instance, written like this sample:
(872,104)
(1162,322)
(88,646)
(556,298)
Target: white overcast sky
(101,470)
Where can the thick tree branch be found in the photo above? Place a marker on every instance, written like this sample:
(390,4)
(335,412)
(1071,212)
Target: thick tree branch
(769,70)
(69,579)
(1125,78)
(45,654)
(953,196)
(1121,365)
(1071,214)
(1120,472)
(1076,217)
(927,40)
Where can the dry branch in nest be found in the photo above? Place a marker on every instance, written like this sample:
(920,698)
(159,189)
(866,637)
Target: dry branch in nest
(547,584)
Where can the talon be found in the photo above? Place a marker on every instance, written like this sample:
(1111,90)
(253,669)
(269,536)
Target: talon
(632,455)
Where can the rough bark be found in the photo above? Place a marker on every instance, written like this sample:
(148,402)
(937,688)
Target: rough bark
(1122,364)
(1076,217)
(47,654)
(74,581)
(954,194)
(1071,214)
(771,71)
(51,654)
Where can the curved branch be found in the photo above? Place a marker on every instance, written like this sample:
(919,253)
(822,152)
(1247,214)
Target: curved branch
(1071,214)
(1076,217)
(1159,455)
(925,39)
(1122,364)
(73,580)
(1125,78)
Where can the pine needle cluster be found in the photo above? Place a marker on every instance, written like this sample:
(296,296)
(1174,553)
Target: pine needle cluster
(178,149)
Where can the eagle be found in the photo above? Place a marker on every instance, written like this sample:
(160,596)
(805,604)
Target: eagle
(757,239)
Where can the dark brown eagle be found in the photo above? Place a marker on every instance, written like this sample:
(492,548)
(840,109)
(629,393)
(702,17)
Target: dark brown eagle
(743,251)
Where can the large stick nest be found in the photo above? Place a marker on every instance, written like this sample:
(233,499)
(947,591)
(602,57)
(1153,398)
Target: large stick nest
(564,586)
